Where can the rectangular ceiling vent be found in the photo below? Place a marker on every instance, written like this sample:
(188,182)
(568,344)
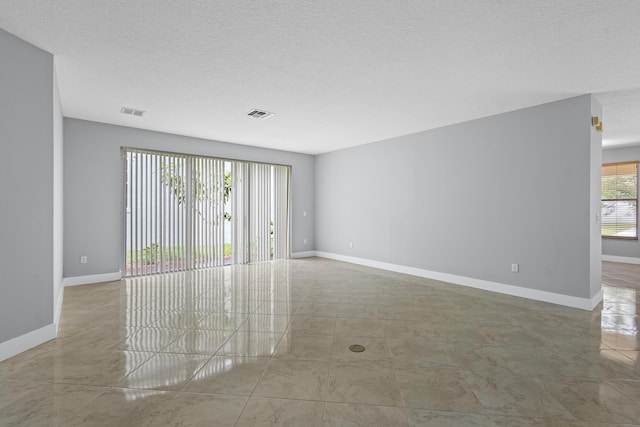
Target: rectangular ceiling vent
(132,111)
(259,114)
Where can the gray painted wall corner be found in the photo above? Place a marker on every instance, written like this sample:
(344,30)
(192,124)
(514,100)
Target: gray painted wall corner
(58,200)
(26,174)
(595,239)
(470,199)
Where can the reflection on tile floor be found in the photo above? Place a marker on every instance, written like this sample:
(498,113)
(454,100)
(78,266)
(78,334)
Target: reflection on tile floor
(267,344)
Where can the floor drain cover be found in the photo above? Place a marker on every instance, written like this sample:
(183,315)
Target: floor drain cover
(356,348)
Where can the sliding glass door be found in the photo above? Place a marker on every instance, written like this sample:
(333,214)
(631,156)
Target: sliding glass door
(186,212)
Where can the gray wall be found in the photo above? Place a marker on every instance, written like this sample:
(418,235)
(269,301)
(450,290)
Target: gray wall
(471,199)
(613,247)
(93,188)
(26,176)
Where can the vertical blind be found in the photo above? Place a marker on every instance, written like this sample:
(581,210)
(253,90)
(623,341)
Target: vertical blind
(280,181)
(620,200)
(259,211)
(186,212)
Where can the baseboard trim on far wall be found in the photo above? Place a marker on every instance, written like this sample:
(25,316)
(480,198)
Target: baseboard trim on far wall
(623,259)
(517,291)
(94,278)
(25,342)
(306,254)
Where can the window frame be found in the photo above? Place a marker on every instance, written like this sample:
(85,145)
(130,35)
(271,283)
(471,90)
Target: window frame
(636,200)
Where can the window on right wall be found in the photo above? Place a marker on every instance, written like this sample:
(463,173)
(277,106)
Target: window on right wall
(620,200)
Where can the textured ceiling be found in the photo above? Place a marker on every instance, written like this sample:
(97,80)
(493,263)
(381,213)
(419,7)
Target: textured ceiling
(336,73)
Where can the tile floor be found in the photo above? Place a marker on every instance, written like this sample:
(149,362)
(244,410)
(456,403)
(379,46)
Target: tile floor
(267,344)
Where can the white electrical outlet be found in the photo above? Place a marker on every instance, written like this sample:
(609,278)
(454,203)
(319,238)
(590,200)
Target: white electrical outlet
(515,268)
(350,245)
(304,213)
(83,259)
(305,241)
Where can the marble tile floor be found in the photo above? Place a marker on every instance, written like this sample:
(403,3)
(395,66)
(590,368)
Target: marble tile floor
(267,345)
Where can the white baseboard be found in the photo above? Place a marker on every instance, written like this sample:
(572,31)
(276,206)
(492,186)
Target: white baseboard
(306,254)
(58,308)
(94,278)
(25,342)
(623,259)
(595,300)
(534,294)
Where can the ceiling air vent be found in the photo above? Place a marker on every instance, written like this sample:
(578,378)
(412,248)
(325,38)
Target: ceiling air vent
(259,114)
(132,111)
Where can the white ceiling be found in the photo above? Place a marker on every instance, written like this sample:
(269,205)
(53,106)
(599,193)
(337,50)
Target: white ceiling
(336,73)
